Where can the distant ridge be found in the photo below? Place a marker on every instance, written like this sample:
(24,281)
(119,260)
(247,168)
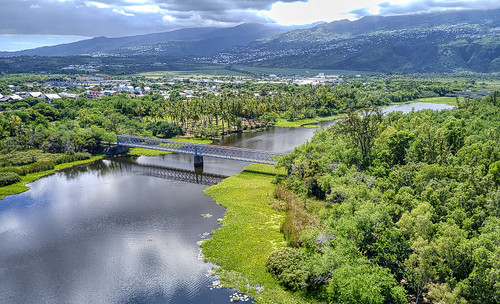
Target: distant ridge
(189,41)
(452,41)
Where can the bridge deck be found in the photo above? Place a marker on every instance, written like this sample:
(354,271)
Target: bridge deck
(233,153)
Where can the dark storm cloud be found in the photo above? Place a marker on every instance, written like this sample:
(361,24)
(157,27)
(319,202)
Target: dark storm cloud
(219,5)
(123,17)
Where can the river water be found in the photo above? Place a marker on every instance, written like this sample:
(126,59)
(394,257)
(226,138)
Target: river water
(123,230)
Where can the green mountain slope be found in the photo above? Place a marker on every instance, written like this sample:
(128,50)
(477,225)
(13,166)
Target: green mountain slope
(425,43)
(183,42)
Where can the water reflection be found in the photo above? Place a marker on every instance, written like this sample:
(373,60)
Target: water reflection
(95,235)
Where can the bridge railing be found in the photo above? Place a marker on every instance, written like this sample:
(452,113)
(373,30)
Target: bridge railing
(224,152)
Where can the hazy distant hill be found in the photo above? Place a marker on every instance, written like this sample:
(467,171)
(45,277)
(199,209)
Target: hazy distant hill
(436,42)
(185,42)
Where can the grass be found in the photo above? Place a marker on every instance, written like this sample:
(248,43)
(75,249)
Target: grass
(298,71)
(241,71)
(250,232)
(20,187)
(452,101)
(144,152)
(307,122)
(193,140)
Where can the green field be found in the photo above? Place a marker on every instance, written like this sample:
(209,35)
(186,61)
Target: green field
(307,123)
(241,71)
(452,101)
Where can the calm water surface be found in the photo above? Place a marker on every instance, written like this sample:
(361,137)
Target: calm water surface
(118,231)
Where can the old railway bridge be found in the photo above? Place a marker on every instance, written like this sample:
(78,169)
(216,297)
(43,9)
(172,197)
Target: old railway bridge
(199,150)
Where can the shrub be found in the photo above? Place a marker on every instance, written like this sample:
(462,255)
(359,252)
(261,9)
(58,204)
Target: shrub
(40,166)
(8,178)
(165,129)
(35,167)
(297,218)
(286,265)
(68,158)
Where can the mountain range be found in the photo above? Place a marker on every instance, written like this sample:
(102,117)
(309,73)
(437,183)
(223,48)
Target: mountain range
(444,42)
(184,42)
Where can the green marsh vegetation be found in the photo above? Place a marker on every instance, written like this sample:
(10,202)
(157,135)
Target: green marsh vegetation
(250,231)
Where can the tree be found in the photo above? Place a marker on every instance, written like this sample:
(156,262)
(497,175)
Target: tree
(362,128)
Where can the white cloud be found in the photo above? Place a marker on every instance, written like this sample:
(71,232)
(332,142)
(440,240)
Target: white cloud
(318,10)
(35,6)
(145,9)
(97,4)
(122,12)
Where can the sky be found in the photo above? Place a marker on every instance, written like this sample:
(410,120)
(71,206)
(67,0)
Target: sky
(28,24)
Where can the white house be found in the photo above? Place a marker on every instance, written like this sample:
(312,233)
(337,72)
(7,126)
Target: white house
(34,94)
(69,95)
(13,97)
(50,97)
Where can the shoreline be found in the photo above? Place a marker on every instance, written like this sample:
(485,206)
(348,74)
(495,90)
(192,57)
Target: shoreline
(21,186)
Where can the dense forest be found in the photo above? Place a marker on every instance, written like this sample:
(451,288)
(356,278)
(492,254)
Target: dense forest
(395,208)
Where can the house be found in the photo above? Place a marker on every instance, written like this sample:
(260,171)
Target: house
(93,95)
(109,92)
(68,95)
(124,88)
(13,97)
(34,94)
(51,97)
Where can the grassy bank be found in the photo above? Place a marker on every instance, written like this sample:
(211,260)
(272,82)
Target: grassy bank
(452,101)
(20,187)
(308,122)
(250,232)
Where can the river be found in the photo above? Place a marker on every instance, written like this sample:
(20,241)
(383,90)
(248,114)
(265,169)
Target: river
(120,230)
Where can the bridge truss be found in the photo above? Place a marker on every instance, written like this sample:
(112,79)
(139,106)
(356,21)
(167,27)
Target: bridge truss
(193,177)
(224,152)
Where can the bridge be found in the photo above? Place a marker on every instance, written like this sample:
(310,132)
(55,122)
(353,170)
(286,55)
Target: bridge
(199,150)
(193,177)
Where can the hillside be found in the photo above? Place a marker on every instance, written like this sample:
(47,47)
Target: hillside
(425,43)
(183,42)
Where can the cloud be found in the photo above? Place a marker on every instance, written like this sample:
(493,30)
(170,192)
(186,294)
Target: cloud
(115,18)
(122,12)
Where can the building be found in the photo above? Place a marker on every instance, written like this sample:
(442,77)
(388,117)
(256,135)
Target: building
(51,97)
(34,94)
(93,94)
(13,97)
(68,95)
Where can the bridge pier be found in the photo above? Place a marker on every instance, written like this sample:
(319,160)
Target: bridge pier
(198,161)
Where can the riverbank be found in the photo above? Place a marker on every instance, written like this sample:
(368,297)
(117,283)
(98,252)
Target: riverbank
(20,187)
(250,231)
(452,101)
(307,122)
